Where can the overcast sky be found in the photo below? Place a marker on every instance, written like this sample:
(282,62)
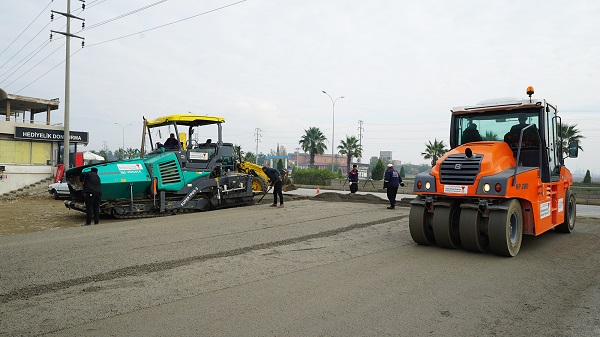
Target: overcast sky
(401,66)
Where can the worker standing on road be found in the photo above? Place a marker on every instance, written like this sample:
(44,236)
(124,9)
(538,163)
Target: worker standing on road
(353,179)
(276,182)
(391,181)
(92,191)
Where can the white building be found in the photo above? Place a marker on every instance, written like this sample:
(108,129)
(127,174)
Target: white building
(30,148)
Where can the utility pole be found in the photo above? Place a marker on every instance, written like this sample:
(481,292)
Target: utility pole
(258,135)
(68,35)
(360,130)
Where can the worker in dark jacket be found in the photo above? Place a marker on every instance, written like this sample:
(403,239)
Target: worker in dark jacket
(277,184)
(353,179)
(391,181)
(92,191)
(471,134)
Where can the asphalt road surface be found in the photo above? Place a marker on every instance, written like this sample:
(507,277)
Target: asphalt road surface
(311,268)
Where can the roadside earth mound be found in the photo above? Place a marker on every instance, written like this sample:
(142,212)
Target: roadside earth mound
(361,198)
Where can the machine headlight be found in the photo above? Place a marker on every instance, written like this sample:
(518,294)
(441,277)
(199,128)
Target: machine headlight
(486,188)
(427,185)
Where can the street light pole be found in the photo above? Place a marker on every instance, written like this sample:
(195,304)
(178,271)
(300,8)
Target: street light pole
(333,120)
(123,128)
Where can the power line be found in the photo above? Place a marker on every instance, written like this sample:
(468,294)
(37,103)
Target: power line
(43,45)
(207,12)
(93,3)
(170,23)
(123,15)
(16,38)
(17,53)
(37,65)
(39,49)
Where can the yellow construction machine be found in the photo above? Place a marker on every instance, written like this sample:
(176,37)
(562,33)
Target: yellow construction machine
(260,181)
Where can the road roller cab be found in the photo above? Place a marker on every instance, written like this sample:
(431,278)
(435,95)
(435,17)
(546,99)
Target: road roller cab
(503,177)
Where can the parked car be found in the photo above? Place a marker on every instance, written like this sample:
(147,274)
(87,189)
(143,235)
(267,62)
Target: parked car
(59,190)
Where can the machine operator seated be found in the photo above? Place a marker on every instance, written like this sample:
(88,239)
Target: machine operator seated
(470,134)
(172,143)
(530,136)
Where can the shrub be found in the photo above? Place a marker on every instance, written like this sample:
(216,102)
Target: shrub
(588,177)
(378,171)
(313,176)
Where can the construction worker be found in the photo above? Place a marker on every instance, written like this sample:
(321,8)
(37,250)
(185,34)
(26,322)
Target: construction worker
(276,183)
(471,134)
(353,179)
(391,181)
(92,191)
(172,142)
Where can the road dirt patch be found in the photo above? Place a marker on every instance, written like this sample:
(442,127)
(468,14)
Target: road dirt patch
(38,213)
(349,197)
(361,198)
(42,212)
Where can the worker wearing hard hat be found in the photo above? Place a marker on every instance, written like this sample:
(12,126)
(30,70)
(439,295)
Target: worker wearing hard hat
(391,181)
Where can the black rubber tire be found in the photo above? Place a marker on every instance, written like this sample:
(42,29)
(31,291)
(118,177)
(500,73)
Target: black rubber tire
(446,226)
(470,229)
(56,196)
(505,229)
(570,214)
(419,221)
(259,184)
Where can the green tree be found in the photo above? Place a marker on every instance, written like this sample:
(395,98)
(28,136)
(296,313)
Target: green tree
(313,142)
(351,148)
(491,136)
(434,151)
(132,153)
(588,177)
(569,132)
(402,173)
(280,165)
(249,157)
(119,154)
(279,151)
(237,149)
(378,171)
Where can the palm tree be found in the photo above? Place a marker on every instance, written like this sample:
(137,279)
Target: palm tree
(351,148)
(313,142)
(119,154)
(132,153)
(434,151)
(569,133)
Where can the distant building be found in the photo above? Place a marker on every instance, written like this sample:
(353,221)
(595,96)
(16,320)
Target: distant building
(385,156)
(302,160)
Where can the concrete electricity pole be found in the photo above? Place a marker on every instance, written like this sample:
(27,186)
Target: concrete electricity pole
(68,35)
(360,130)
(258,135)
